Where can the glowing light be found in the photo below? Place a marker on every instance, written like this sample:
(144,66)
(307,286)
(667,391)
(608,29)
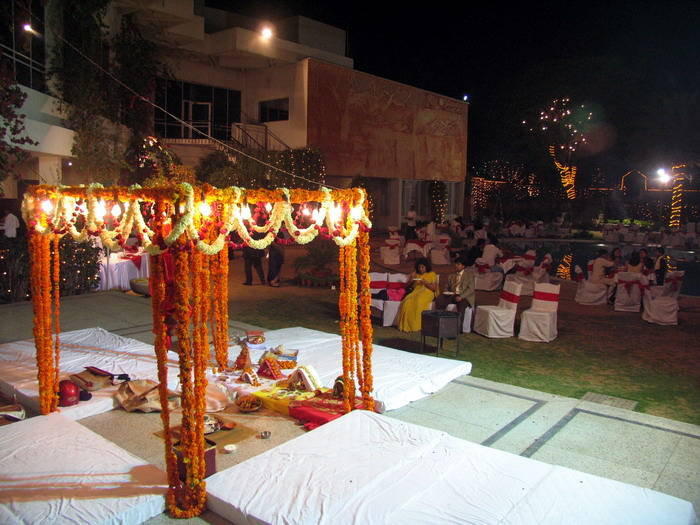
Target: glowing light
(28,28)
(266,33)
(245,213)
(204,209)
(116,211)
(100,210)
(268,207)
(305,211)
(335,213)
(356,213)
(316,217)
(465,98)
(46,206)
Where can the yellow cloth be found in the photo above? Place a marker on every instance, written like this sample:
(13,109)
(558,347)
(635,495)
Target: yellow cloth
(409,318)
(278,399)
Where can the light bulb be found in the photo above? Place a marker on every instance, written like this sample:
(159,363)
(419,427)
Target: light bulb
(100,210)
(204,209)
(245,213)
(46,206)
(335,214)
(268,207)
(356,213)
(306,212)
(116,211)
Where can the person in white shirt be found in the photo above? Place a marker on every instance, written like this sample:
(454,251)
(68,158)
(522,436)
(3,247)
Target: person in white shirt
(602,262)
(491,253)
(10,224)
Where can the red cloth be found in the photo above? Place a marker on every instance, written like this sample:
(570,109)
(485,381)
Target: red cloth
(136,259)
(524,270)
(318,410)
(544,296)
(378,285)
(510,297)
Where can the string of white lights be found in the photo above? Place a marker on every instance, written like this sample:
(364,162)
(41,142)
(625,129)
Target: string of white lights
(187,124)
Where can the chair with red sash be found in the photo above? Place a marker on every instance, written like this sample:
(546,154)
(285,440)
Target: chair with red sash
(628,297)
(377,282)
(396,290)
(486,279)
(440,253)
(539,322)
(417,245)
(661,302)
(525,273)
(588,292)
(390,253)
(498,321)
(541,273)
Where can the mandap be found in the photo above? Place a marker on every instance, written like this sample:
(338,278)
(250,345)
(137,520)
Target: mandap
(185,229)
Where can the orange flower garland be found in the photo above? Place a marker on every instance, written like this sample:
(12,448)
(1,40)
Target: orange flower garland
(220,306)
(365,321)
(56,278)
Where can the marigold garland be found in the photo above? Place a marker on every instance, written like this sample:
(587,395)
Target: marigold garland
(56,281)
(366,329)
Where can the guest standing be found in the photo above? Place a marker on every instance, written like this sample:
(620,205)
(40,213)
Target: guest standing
(10,224)
(660,265)
(274,266)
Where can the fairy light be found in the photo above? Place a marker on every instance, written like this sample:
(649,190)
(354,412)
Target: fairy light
(564,268)
(567,131)
(674,220)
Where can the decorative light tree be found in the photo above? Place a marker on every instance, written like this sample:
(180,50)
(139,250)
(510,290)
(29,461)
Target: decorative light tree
(565,131)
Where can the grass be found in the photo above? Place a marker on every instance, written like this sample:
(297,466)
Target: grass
(613,354)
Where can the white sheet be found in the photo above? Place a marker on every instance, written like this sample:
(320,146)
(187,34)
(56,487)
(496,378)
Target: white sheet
(80,348)
(399,377)
(57,471)
(121,271)
(364,468)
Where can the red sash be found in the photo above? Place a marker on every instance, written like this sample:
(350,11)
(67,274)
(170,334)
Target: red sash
(544,296)
(510,297)
(482,268)
(378,285)
(524,270)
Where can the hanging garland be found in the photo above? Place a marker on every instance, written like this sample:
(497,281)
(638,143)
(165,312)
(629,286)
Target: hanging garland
(185,229)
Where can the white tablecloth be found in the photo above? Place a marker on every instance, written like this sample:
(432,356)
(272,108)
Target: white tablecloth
(121,271)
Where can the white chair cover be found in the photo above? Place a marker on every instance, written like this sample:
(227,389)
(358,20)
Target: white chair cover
(541,273)
(423,247)
(628,297)
(468,316)
(485,279)
(390,253)
(377,283)
(440,253)
(661,302)
(590,293)
(499,321)
(391,308)
(539,322)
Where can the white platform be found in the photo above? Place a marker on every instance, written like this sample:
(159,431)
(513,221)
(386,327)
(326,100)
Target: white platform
(364,468)
(399,377)
(54,470)
(80,348)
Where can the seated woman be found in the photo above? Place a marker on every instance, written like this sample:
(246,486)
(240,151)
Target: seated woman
(424,287)
(634,264)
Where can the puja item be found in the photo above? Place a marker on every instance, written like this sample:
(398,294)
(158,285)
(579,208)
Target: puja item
(304,378)
(243,360)
(209,459)
(230,448)
(255,337)
(287,358)
(278,398)
(14,412)
(68,393)
(339,387)
(211,424)
(250,376)
(265,434)
(93,378)
(143,395)
(248,403)
(270,368)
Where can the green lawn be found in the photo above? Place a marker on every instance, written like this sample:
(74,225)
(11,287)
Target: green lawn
(617,355)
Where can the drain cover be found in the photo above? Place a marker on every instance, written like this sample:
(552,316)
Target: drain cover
(609,400)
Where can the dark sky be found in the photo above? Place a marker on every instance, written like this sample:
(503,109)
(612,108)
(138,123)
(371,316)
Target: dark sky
(512,59)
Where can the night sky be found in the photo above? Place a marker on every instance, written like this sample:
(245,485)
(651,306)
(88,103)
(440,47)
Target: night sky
(636,64)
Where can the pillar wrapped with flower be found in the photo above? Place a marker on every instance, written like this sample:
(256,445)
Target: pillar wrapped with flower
(185,229)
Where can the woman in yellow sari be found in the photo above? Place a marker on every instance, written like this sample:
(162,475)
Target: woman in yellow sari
(424,288)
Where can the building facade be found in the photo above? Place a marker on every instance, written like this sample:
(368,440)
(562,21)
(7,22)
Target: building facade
(293,89)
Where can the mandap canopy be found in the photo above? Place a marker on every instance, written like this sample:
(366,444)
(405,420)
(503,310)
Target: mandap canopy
(185,229)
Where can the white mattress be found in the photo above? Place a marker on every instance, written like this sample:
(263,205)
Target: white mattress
(80,348)
(399,377)
(54,470)
(380,470)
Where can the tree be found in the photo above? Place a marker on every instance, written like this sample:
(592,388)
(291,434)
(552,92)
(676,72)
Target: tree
(12,136)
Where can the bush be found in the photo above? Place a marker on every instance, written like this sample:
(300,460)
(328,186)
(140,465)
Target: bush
(80,268)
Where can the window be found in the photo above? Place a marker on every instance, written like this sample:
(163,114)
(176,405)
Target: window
(211,110)
(272,110)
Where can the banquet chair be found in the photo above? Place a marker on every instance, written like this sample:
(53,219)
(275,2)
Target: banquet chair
(377,283)
(395,282)
(468,317)
(485,279)
(588,292)
(628,297)
(390,253)
(526,274)
(661,302)
(539,322)
(498,321)
(440,253)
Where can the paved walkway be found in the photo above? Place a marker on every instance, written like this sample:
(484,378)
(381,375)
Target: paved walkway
(608,441)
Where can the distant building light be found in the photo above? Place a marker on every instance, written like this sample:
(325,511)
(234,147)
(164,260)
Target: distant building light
(266,33)
(465,98)
(70,163)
